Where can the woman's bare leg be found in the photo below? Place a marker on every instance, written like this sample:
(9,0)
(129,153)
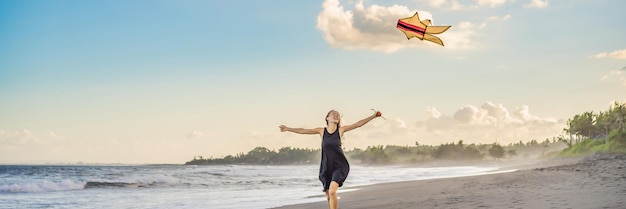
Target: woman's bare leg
(327,198)
(332,195)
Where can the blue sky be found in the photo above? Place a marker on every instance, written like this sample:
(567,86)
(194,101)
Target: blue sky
(162,81)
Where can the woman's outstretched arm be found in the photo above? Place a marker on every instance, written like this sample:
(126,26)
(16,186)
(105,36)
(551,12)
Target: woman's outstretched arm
(361,122)
(284,128)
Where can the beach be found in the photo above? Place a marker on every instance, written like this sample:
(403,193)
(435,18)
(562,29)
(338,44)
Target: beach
(597,181)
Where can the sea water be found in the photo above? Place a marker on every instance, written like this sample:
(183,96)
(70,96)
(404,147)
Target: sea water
(180,186)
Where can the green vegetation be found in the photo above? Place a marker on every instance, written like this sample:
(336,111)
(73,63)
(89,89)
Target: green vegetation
(389,154)
(458,151)
(614,143)
(591,133)
(496,151)
(262,155)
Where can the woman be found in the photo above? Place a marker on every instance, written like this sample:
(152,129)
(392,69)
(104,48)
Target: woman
(334,166)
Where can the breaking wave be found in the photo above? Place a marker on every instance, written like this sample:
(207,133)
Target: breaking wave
(41,186)
(34,186)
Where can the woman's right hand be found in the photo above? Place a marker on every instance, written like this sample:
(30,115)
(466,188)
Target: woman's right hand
(283,128)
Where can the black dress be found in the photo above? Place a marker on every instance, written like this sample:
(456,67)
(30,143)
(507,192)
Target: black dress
(334,165)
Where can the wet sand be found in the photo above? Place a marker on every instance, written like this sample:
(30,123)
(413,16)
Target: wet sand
(597,181)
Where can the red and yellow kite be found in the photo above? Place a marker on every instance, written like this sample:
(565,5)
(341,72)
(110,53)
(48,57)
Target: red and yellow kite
(414,27)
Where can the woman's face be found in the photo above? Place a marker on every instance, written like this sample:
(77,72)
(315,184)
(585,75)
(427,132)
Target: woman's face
(333,117)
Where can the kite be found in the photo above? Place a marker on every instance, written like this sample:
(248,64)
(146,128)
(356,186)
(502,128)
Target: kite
(414,27)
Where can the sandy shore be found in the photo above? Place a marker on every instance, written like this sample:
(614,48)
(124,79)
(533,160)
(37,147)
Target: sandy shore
(598,181)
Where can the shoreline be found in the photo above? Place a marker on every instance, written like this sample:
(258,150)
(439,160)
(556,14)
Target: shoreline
(597,181)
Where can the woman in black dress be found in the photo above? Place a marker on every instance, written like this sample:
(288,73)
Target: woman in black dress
(334,166)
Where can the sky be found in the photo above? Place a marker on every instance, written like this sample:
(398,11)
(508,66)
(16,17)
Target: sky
(163,81)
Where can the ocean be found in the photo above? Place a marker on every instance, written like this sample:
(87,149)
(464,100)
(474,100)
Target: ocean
(180,186)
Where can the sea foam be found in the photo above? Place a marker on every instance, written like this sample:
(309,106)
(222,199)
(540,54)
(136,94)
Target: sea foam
(41,186)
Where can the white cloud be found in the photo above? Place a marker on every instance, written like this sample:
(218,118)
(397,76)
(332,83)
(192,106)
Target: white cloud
(374,28)
(490,3)
(449,4)
(604,78)
(617,54)
(474,124)
(614,75)
(618,76)
(436,121)
(497,18)
(497,111)
(461,37)
(600,55)
(489,122)
(437,3)
(393,131)
(539,4)
(456,5)
(17,137)
(469,115)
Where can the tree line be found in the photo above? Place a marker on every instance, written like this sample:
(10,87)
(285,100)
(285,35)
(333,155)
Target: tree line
(592,132)
(596,125)
(379,154)
(262,155)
